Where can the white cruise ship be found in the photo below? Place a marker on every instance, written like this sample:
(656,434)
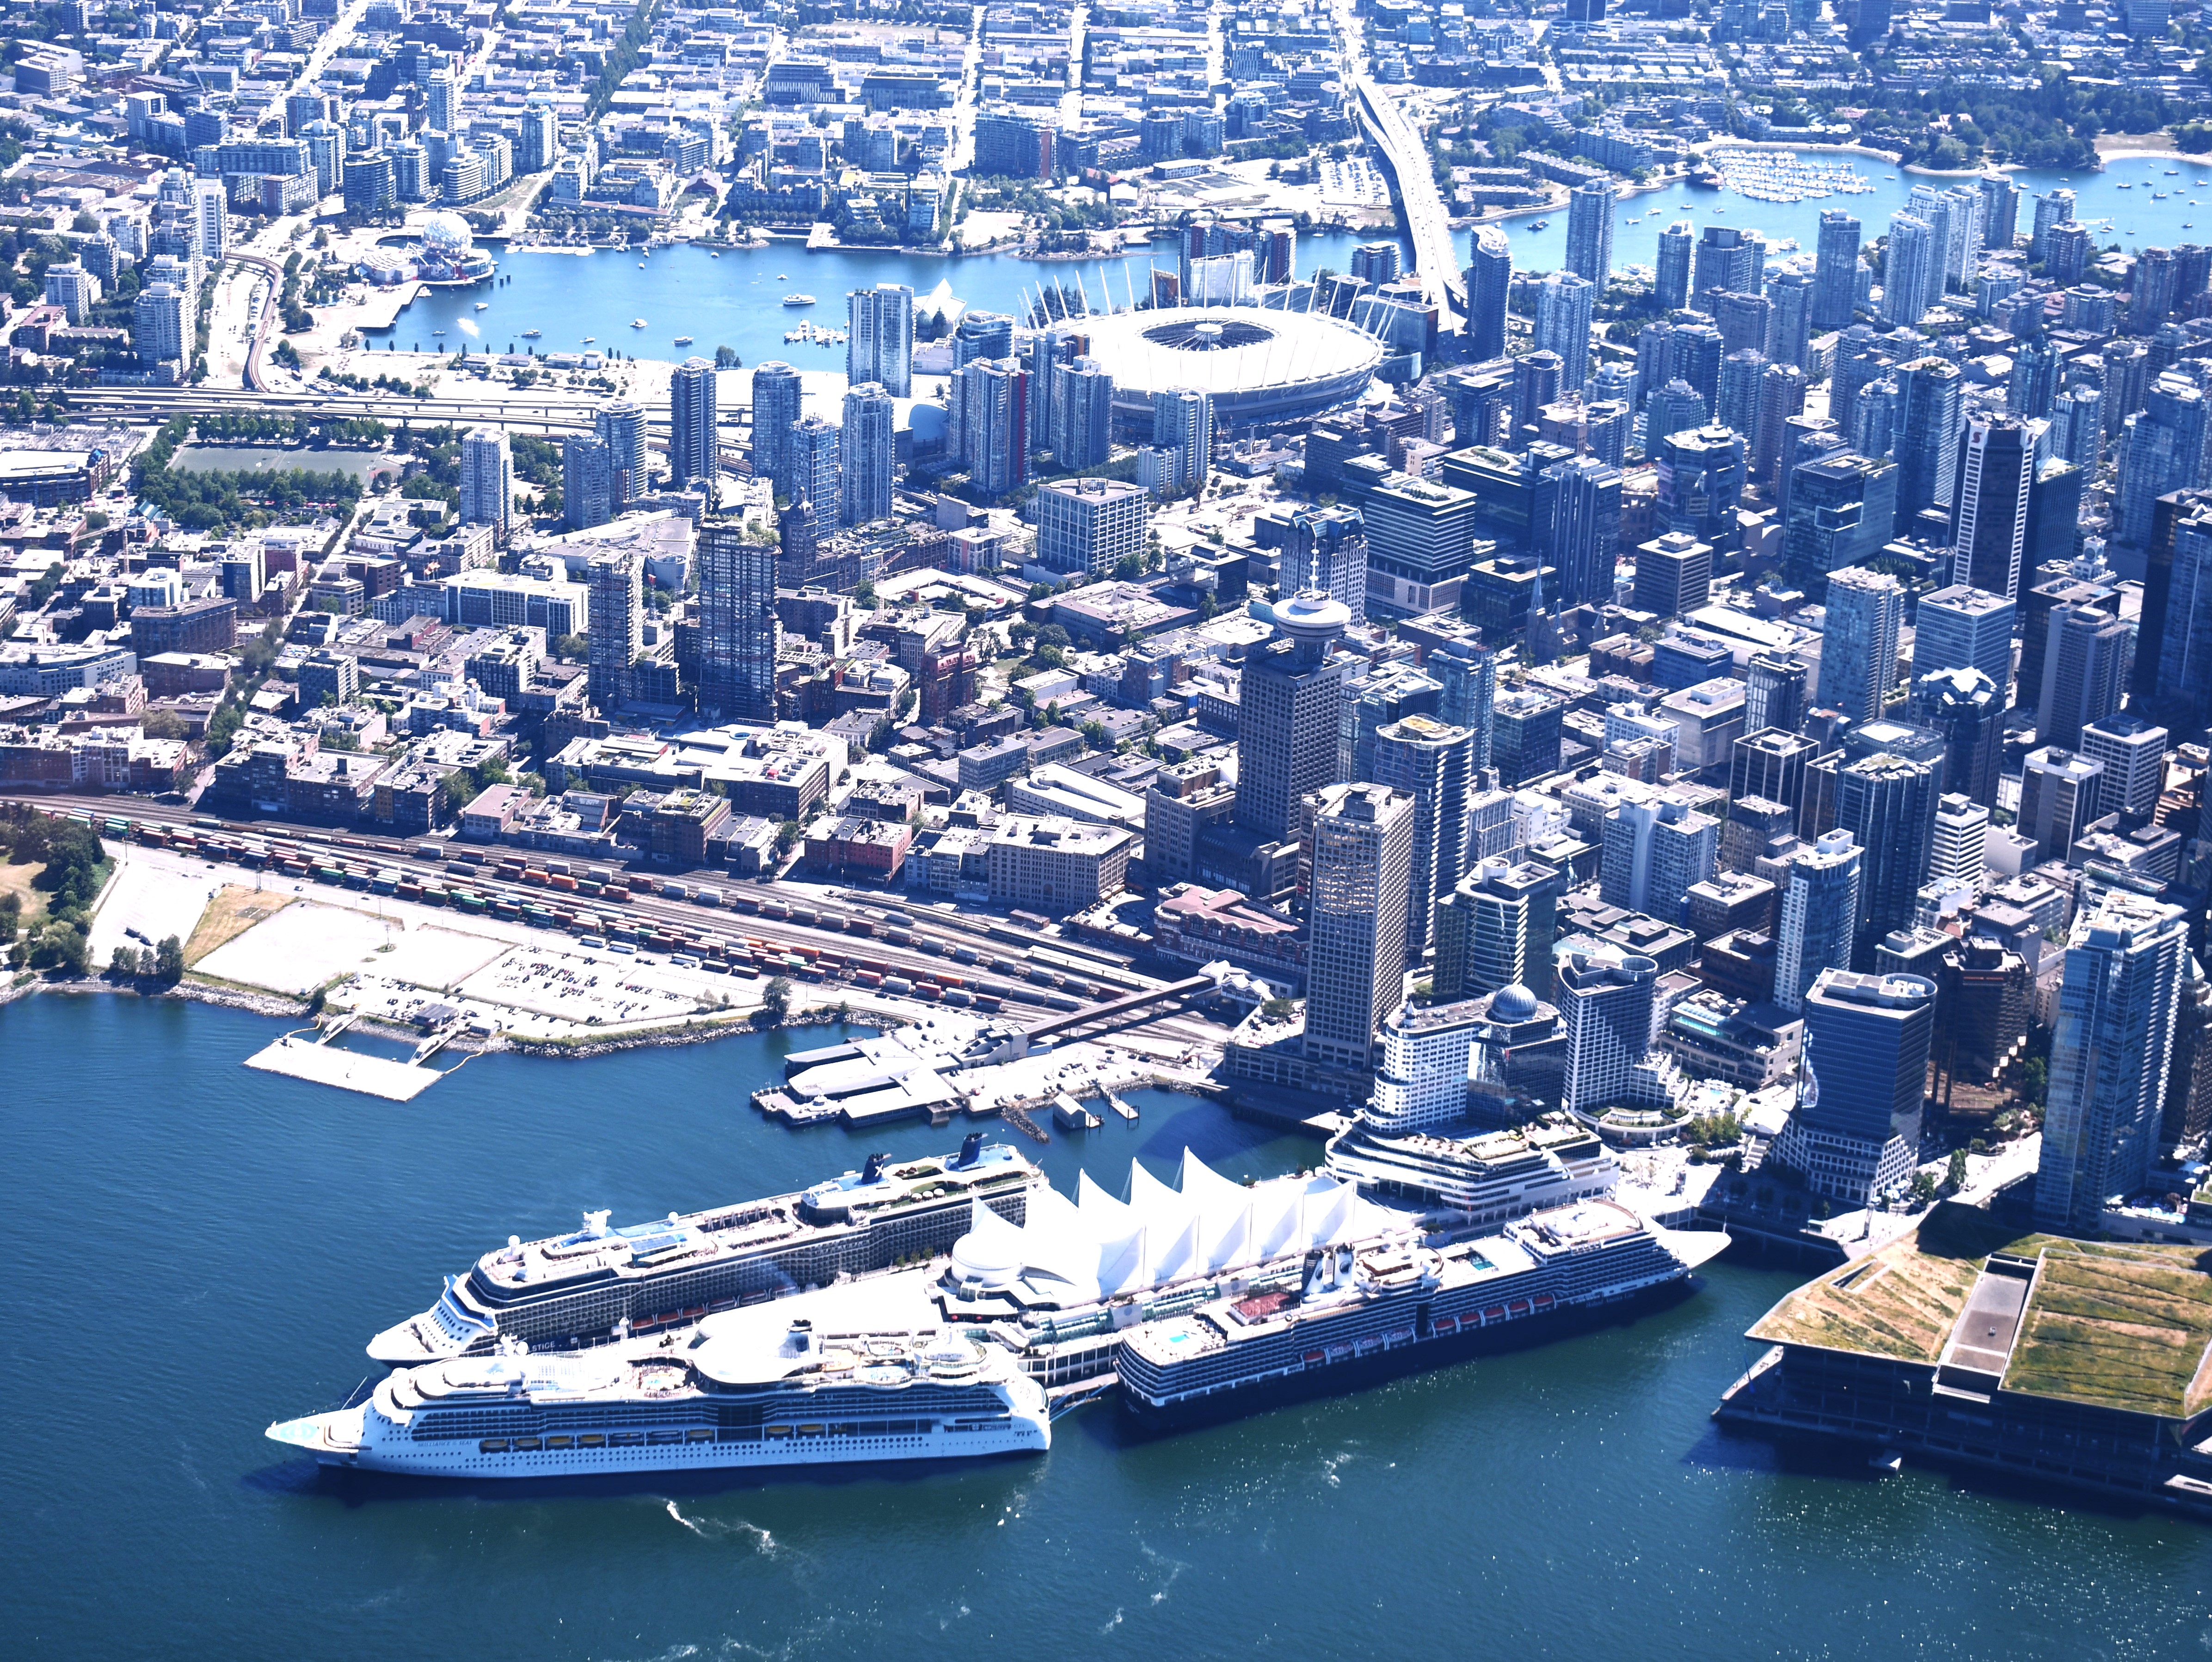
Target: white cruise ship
(735,1391)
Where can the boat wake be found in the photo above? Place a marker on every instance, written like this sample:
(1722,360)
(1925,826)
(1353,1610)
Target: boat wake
(717,1529)
(1174,1567)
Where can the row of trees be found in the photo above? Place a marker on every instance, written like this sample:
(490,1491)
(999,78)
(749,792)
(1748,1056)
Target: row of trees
(211,501)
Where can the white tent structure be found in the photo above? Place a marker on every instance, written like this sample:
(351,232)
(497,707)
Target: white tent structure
(1094,1247)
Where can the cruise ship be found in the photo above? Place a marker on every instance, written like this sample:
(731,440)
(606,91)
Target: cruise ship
(1360,1311)
(582,1288)
(739,1391)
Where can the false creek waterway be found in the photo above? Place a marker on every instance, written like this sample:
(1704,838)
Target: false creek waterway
(735,300)
(198,1249)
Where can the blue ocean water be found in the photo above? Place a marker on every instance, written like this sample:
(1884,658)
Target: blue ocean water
(198,1249)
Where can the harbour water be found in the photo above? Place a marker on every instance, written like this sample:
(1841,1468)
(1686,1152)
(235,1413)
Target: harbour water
(197,1250)
(2129,217)
(737,300)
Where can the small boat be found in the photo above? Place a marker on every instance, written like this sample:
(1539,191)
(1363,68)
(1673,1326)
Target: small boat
(1889,175)
(780,277)
(589,339)
(713,256)
(437,332)
(1886,1461)
(531,334)
(683,340)
(640,265)
(484,305)
(2125,186)
(799,300)
(1542,225)
(637,323)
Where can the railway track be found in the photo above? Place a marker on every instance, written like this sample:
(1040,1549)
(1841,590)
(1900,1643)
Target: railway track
(754,926)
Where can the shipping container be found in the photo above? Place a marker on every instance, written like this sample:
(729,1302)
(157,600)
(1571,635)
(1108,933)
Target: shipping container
(897,983)
(705,896)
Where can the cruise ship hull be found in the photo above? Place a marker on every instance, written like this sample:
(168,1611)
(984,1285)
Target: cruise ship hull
(336,1439)
(1355,1371)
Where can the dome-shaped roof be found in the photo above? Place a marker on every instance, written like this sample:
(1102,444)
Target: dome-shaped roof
(447,231)
(988,1257)
(1513,1004)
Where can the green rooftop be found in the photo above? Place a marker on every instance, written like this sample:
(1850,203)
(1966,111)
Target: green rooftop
(2111,1324)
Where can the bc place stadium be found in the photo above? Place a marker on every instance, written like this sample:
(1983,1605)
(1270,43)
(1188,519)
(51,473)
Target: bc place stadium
(1261,367)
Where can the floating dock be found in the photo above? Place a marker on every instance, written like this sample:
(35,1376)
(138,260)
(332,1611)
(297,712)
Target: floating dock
(329,1064)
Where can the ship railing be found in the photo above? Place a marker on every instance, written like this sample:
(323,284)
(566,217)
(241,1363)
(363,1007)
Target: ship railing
(360,1394)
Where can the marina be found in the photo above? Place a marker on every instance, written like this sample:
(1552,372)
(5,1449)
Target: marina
(1784,176)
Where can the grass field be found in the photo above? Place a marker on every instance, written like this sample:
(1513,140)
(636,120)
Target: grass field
(229,915)
(1903,1300)
(16,880)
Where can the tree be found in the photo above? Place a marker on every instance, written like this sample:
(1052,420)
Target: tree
(169,960)
(775,999)
(1955,1177)
(123,963)
(725,357)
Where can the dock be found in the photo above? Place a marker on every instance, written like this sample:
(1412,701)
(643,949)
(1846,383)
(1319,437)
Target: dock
(1119,1107)
(325,1063)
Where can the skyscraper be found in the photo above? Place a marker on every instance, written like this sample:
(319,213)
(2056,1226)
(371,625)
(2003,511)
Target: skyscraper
(810,473)
(777,406)
(2061,791)
(1738,408)
(2055,209)
(1676,243)
(2118,999)
(1841,511)
(1183,420)
(1989,508)
(1959,852)
(1701,479)
(1726,260)
(1653,851)
(2035,381)
(1855,1132)
(1562,323)
(691,443)
(1286,716)
(1363,848)
(1325,551)
(1887,802)
(620,427)
(1911,255)
(1489,280)
(2162,450)
(1793,293)
(1494,928)
(1466,672)
(994,424)
(1835,271)
(1674,574)
(1674,407)
(1820,916)
(1964,627)
(587,483)
(865,456)
(737,623)
(1859,643)
(617,625)
(879,337)
(1082,414)
(1965,707)
(1605,1005)
(1589,232)
(1585,527)
(487,479)
(2083,672)
(2173,660)
(1745,322)
(2134,754)
(1433,763)
(1773,692)
(2000,211)
(1927,445)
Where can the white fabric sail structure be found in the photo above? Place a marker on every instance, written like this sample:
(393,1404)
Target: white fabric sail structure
(1095,1246)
